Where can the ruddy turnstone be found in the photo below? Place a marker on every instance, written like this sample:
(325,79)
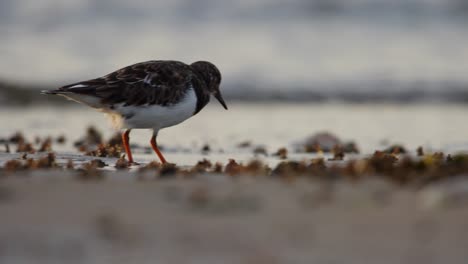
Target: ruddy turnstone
(152,95)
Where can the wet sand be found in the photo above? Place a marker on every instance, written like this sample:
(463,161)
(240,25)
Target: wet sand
(372,126)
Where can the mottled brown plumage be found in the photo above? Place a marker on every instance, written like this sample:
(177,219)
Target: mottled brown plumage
(153,82)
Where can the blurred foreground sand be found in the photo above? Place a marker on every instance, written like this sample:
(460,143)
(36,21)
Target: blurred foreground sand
(51,217)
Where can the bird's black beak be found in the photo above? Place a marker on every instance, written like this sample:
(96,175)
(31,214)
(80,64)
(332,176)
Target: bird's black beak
(218,96)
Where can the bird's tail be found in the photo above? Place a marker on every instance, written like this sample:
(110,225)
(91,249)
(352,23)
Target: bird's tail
(56,91)
(77,97)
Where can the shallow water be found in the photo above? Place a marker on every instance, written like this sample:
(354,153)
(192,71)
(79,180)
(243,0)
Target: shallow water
(371,126)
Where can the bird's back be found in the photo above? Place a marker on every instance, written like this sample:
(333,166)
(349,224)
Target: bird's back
(146,83)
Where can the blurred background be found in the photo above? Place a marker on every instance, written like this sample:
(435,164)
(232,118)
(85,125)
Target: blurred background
(295,49)
(332,52)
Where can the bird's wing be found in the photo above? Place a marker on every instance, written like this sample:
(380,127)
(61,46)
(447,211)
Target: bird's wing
(152,82)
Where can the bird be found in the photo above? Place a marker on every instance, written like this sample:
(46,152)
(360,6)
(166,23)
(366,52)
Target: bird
(153,95)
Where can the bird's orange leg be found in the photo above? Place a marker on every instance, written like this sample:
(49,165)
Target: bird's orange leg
(125,140)
(155,148)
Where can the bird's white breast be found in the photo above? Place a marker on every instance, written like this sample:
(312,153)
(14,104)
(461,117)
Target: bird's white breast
(154,116)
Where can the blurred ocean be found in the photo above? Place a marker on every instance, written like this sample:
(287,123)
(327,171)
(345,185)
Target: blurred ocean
(397,50)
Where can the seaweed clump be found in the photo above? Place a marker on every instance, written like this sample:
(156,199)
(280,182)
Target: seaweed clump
(25,146)
(93,144)
(282,153)
(46,162)
(326,142)
(91,170)
(253,168)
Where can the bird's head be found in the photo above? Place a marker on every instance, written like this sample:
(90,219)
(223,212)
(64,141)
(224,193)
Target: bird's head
(212,78)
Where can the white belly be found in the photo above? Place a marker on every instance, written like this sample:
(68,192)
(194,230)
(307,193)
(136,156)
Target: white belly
(154,116)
